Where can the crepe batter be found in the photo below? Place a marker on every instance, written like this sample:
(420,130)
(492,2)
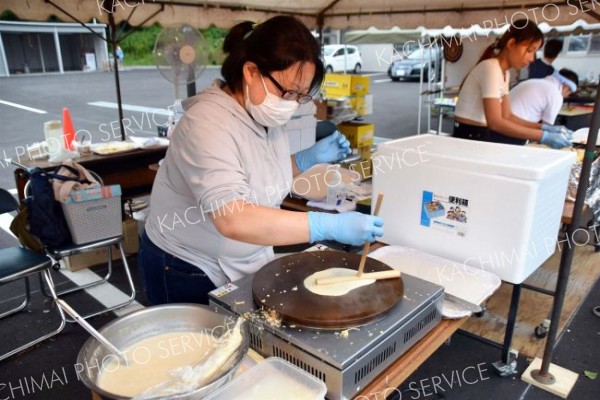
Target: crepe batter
(334,289)
(151,360)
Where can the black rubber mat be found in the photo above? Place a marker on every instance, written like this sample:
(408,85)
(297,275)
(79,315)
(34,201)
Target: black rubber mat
(459,370)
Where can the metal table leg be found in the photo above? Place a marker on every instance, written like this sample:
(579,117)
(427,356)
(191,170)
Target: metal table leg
(508,364)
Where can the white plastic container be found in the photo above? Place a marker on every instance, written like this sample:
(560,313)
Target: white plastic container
(53,133)
(272,379)
(493,206)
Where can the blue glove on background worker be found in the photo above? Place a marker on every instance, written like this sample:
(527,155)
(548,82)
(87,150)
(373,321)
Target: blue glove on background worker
(329,149)
(351,228)
(556,139)
(558,129)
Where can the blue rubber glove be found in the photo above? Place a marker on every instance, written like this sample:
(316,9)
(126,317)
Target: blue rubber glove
(567,133)
(556,140)
(329,149)
(552,128)
(558,129)
(350,228)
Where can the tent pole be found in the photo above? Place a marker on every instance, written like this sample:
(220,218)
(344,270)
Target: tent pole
(320,23)
(542,375)
(113,41)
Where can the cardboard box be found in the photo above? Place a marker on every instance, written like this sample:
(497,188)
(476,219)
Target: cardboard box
(131,242)
(359,134)
(365,152)
(360,85)
(362,104)
(90,258)
(321,111)
(337,85)
(99,256)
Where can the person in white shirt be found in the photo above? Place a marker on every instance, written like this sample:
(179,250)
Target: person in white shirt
(540,100)
(483,110)
(214,213)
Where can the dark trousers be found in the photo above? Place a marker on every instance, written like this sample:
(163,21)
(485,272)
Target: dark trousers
(500,138)
(472,132)
(483,133)
(168,279)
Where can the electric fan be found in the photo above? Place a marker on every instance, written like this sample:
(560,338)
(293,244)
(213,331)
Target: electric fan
(180,55)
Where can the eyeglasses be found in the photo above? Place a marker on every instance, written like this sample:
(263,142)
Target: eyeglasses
(288,94)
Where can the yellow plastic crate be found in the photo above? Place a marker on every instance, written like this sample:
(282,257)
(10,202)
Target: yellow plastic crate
(337,85)
(360,85)
(359,134)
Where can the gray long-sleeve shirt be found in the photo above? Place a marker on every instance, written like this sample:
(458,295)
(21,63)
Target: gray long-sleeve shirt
(217,154)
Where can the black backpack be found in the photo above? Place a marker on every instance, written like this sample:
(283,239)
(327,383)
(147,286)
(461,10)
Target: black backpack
(46,218)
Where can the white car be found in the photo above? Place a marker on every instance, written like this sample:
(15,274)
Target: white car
(341,58)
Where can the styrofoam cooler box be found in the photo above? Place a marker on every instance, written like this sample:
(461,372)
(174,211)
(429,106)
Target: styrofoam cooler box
(502,204)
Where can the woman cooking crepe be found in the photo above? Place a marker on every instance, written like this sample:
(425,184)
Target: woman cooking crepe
(483,109)
(215,202)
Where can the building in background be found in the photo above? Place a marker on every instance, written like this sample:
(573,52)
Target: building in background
(42,47)
(581,53)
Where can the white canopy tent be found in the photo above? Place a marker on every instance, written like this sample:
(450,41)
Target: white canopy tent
(399,35)
(576,27)
(340,14)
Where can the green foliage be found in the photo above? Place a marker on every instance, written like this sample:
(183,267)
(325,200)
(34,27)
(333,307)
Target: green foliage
(11,16)
(8,16)
(138,46)
(214,38)
(213,32)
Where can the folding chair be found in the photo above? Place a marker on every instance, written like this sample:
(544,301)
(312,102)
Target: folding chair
(20,263)
(59,253)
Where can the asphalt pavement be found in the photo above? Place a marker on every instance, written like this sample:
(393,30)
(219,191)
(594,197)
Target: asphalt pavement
(27,101)
(49,371)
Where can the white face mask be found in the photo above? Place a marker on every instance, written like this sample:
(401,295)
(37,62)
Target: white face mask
(273,111)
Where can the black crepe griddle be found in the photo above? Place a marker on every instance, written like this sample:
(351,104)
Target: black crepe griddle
(279,286)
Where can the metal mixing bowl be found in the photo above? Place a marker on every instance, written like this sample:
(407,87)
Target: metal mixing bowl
(149,322)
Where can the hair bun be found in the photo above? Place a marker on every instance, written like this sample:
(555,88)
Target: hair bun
(236,35)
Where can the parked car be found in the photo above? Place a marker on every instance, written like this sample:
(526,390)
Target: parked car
(341,58)
(402,50)
(410,67)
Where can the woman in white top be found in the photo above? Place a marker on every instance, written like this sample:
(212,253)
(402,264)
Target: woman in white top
(215,212)
(483,110)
